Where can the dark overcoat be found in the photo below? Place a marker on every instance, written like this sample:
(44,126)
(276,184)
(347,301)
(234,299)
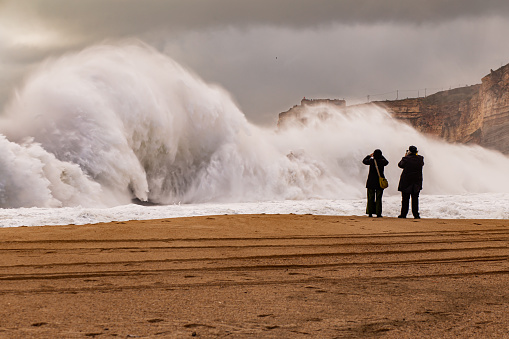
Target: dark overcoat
(373,181)
(411,177)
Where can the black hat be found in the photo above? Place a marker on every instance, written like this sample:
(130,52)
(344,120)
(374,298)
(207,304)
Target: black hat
(412,149)
(377,153)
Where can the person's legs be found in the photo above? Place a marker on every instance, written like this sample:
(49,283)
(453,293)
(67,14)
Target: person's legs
(405,202)
(415,205)
(379,194)
(370,207)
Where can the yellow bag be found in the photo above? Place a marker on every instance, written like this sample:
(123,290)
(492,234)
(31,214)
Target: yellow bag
(383,182)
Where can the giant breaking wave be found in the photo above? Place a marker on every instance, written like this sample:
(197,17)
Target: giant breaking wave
(114,123)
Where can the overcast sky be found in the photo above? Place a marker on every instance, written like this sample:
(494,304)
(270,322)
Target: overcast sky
(271,53)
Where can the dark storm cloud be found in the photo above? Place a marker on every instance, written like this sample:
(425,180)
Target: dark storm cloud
(95,17)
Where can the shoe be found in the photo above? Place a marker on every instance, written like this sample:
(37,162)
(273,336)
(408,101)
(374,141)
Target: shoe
(379,216)
(417,217)
(401,216)
(371,215)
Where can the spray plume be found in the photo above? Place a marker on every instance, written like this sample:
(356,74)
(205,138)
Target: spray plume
(116,123)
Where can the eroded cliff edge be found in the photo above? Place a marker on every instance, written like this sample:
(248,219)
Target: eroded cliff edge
(476,114)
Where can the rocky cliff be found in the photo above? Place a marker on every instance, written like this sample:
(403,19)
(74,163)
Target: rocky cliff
(453,115)
(475,114)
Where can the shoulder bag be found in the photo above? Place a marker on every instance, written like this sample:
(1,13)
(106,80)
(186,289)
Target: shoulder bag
(383,182)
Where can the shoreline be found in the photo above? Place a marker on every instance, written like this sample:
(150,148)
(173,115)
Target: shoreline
(257,275)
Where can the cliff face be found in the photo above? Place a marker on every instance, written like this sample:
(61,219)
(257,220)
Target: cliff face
(476,114)
(453,115)
(494,107)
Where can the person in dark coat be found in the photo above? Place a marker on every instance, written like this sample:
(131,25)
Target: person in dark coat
(375,192)
(410,182)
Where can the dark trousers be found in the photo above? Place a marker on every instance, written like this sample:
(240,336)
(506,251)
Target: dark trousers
(374,205)
(405,202)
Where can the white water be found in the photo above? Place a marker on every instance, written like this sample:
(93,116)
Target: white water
(468,206)
(93,130)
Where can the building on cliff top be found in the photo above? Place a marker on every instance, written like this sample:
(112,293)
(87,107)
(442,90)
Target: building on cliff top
(297,112)
(476,114)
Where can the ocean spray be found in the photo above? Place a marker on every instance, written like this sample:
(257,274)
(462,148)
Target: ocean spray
(114,123)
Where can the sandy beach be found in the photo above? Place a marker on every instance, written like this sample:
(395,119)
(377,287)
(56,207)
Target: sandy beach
(246,276)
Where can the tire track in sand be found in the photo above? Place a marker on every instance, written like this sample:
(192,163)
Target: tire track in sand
(202,262)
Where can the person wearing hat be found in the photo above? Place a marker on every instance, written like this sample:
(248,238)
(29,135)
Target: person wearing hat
(410,182)
(375,192)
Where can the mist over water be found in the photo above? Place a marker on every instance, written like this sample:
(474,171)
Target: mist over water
(113,123)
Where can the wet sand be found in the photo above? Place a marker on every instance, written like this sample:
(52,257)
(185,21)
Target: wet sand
(246,276)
